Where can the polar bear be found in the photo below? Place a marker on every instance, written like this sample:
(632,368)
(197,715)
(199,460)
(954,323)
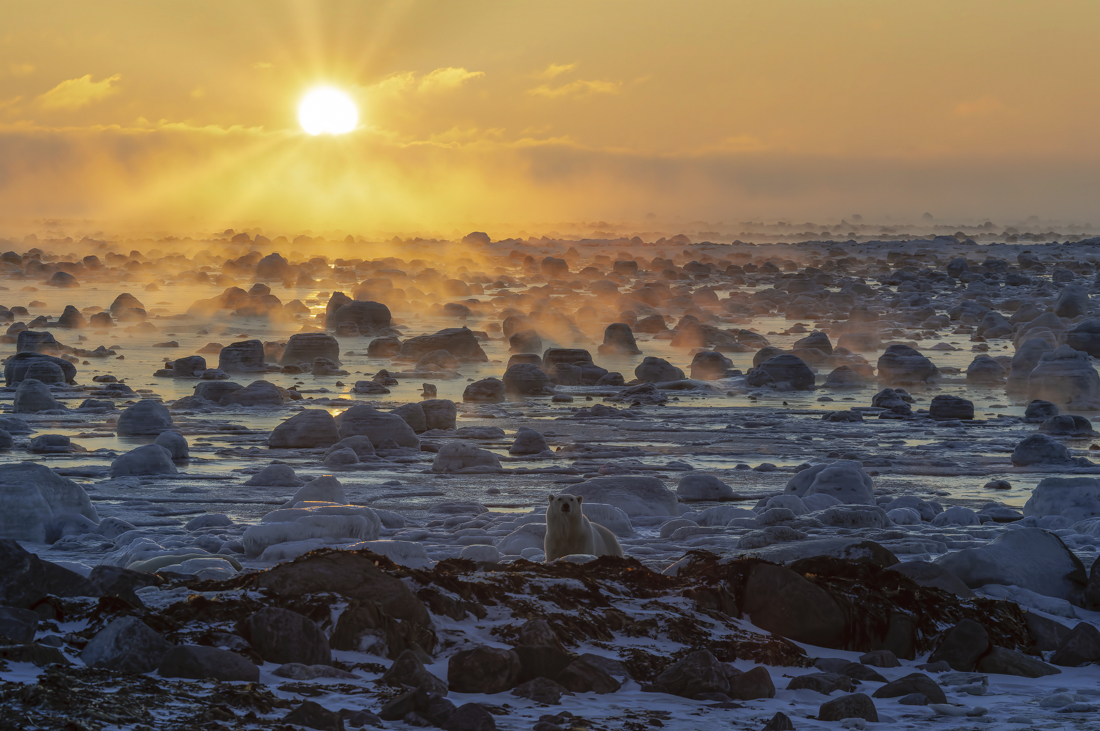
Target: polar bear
(569,532)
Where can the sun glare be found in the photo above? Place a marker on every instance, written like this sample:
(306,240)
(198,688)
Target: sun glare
(327,111)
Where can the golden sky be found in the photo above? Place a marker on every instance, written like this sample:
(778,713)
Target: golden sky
(475,114)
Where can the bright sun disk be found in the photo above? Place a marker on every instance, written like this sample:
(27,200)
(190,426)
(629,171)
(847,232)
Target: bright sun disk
(327,111)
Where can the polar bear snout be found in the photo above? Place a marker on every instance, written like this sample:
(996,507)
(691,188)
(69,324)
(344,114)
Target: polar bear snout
(565,508)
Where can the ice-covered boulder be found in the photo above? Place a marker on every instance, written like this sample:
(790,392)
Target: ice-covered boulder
(17,366)
(844,480)
(985,371)
(323,522)
(175,443)
(466,458)
(1065,376)
(1073,301)
(275,475)
(360,446)
(1030,558)
(380,427)
(403,553)
(956,515)
(145,418)
(696,486)
(635,495)
(1074,498)
(1039,450)
(1068,425)
(1085,337)
(900,364)
(439,413)
(150,459)
(38,505)
(32,396)
(528,441)
(844,377)
(309,428)
(721,515)
(257,393)
(1024,362)
(324,489)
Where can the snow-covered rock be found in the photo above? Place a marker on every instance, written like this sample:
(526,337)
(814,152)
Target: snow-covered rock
(463,457)
(844,480)
(1075,498)
(38,505)
(635,495)
(150,459)
(696,486)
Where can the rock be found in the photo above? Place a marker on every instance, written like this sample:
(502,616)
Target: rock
(307,347)
(380,427)
(190,367)
(459,342)
(695,486)
(246,356)
(1046,634)
(896,401)
(196,662)
(951,407)
(145,418)
(282,636)
(122,583)
(151,459)
(215,390)
(528,441)
(962,646)
(985,371)
(697,673)
(37,504)
(782,602)
(275,475)
(1038,411)
(25,579)
(369,318)
(902,365)
(1024,362)
(844,480)
(525,341)
(257,393)
(409,671)
(1030,558)
(752,685)
(580,676)
(309,429)
(17,367)
(913,683)
(483,669)
(1002,661)
(880,659)
(360,447)
(1039,450)
(1085,337)
(924,573)
(33,396)
(710,365)
(541,690)
(779,722)
(633,494)
(619,340)
(462,457)
(657,370)
(470,717)
(823,683)
(17,626)
(1080,647)
(785,368)
(485,391)
(439,413)
(314,715)
(126,645)
(526,379)
(844,377)
(1073,301)
(856,705)
(1065,376)
(175,443)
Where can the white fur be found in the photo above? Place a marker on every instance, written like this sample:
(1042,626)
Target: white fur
(569,532)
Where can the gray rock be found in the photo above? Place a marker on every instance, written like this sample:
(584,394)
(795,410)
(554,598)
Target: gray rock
(483,669)
(33,396)
(439,413)
(902,365)
(527,379)
(246,356)
(309,429)
(485,391)
(145,418)
(913,683)
(528,441)
(126,645)
(380,427)
(695,486)
(175,443)
(856,705)
(196,662)
(282,636)
(657,370)
(1002,661)
(257,393)
(462,457)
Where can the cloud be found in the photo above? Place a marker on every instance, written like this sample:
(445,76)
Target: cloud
(555,69)
(76,93)
(20,69)
(577,88)
(447,78)
(982,107)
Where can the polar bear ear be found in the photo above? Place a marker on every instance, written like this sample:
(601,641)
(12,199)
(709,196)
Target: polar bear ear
(551,497)
(580,499)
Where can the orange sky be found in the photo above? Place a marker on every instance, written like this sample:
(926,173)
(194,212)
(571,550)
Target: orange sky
(476,114)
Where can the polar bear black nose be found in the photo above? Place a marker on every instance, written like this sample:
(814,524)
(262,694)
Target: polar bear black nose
(565,507)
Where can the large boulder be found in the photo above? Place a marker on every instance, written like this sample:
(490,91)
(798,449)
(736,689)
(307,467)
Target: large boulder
(844,480)
(307,347)
(25,579)
(985,371)
(695,675)
(485,391)
(635,495)
(246,356)
(1085,337)
(37,504)
(145,418)
(946,406)
(439,413)
(902,365)
(527,442)
(463,457)
(458,341)
(15,368)
(150,459)
(198,662)
(1024,362)
(697,486)
(369,318)
(307,429)
(1039,450)
(380,427)
(257,393)
(783,369)
(657,370)
(1073,301)
(1030,558)
(527,379)
(32,396)
(1065,376)
(483,669)
(710,365)
(619,340)
(1073,498)
(781,601)
(282,636)
(126,645)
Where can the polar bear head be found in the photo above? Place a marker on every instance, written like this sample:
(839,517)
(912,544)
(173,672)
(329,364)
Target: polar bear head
(567,505)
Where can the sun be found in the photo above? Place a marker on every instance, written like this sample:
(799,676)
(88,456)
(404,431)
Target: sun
(327,111)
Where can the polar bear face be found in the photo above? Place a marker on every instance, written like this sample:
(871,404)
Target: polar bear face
(568,505)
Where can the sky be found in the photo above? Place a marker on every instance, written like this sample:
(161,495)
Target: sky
(183,115)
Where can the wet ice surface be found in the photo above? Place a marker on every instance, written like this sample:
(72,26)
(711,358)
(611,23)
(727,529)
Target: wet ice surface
(728,433)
